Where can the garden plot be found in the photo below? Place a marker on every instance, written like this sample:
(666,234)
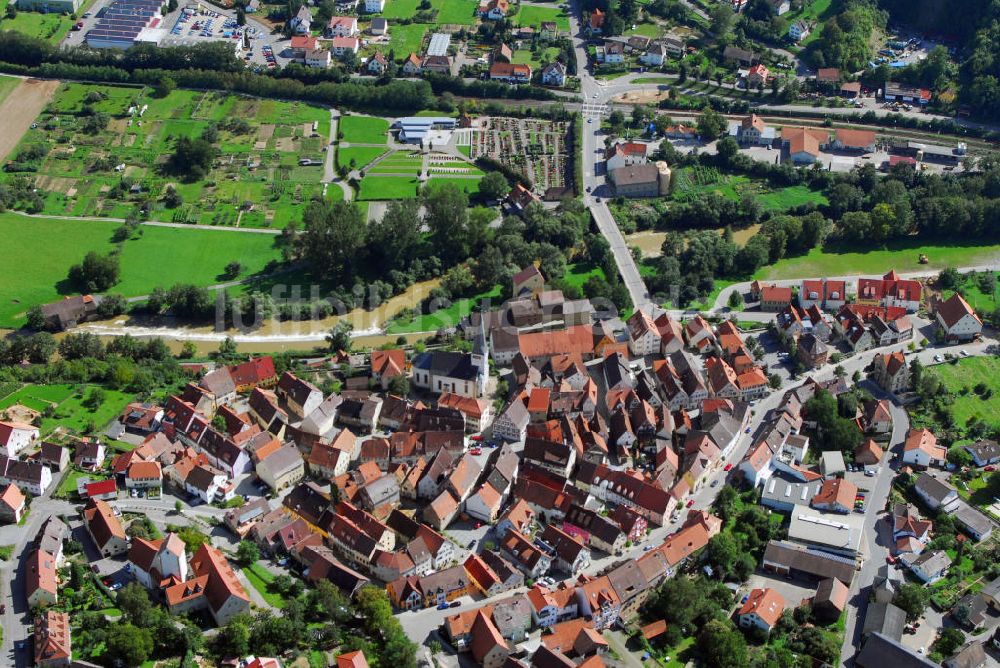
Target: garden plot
(99,150)
(539,149)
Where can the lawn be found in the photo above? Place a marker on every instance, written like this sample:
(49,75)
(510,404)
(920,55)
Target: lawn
(72,414)
(650,30)
(70,411)
(654,80)
(471,186)
(50,27)
(387,187)
(67,488)
(532,15)
(361,155)
(455,12)
(400,9)
(967,373)
(160,256)
(791,197)
(579,273)
(903,256)
(261,579)
(973,293)
(45,249)
(448,317)
(7,84)
(815,13)
(527,56)
(37,397)
(164,256)
(363,129)
(407,39)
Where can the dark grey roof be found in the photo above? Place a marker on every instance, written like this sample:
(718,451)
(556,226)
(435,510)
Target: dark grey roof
(812,562)
(881,652)
(972,655)
(972,520)
(447,363)
(932,487)
(984,450)
(885,619)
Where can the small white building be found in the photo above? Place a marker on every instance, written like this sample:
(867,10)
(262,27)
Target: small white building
(341,46)
(798,31)
(554,74)
(16,436)
(374,6)
(625,154)
(654,56)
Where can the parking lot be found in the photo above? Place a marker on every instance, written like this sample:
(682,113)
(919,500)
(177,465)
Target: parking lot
(192,24)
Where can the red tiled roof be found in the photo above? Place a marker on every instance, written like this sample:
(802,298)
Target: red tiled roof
(954,309)
(252,372)
(100,487)
(768,604)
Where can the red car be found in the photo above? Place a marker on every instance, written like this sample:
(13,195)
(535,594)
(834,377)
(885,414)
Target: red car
(889,559)
(728,467)
(476,451)
(690,503)
(476,437)
(990,468)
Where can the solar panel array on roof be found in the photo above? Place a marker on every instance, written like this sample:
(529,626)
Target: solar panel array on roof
(123,20)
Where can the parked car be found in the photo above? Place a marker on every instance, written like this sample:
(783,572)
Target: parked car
(443,606)
(455,604)
(728,467)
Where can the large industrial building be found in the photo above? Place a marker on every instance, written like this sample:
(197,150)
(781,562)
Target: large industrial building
(120,24)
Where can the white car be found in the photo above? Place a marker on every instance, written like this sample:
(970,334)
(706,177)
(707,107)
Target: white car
(938,358)
(965,353)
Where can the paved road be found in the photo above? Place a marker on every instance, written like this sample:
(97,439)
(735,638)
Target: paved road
(877,543)
(594,184)
(17,618)
(329,167)
(155,223)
